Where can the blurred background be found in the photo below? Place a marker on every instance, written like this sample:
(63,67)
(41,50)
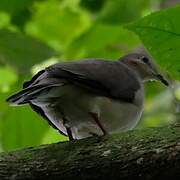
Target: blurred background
(37,33)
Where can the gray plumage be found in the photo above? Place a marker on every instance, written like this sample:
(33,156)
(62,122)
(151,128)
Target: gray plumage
(67,93)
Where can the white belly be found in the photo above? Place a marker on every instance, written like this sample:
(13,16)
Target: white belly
(114,116)
(118,116)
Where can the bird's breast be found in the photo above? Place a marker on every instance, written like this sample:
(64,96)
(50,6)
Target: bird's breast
(115,116)
(120,116)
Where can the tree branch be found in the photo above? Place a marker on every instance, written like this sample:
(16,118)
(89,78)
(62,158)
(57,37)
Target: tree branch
(152,153)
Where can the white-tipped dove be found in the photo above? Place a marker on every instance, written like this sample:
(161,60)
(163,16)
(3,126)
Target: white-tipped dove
(92,96)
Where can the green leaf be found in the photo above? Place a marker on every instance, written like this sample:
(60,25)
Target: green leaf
(58,23)
(160,33)
(16,8)
(7,78)
(19,126)
(14,5)
(53,136)
(22,51)
(92,5)
(121,11)
(4,20)
(103,40)
(20,18)
(20,10)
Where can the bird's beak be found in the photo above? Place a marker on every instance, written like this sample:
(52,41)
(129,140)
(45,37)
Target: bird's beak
(161,78)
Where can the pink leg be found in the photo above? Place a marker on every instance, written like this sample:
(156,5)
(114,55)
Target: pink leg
(96,119)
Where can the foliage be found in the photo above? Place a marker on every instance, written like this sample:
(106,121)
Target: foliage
(160,33)
(22,51)
(34,33)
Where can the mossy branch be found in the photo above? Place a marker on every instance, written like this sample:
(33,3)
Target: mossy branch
(152,153)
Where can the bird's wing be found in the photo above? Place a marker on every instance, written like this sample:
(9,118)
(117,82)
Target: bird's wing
(42,113)
(31,89)
(104,78)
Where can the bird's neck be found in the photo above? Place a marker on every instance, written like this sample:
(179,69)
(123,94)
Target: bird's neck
(142,74)
(134,69)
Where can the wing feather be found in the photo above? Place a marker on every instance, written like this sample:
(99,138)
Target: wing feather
(104,78)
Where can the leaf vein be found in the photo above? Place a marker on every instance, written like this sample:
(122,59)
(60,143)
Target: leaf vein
(158,29)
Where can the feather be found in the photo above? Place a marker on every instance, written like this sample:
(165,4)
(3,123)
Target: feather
(100,77)
(27,94)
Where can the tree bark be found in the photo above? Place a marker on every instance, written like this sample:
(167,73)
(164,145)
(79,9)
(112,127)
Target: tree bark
(152,153)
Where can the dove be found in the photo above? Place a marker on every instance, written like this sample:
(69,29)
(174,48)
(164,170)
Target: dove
(90,97)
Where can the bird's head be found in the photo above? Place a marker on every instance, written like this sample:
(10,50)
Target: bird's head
(146,69)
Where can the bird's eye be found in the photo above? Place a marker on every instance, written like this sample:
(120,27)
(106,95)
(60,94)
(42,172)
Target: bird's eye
(145,59)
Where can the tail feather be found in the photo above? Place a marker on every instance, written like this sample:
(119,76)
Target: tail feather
(27,94)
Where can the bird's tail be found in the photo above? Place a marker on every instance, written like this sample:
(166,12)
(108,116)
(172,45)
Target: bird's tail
(27,94)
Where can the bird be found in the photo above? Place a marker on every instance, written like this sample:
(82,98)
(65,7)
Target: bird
(90,97)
